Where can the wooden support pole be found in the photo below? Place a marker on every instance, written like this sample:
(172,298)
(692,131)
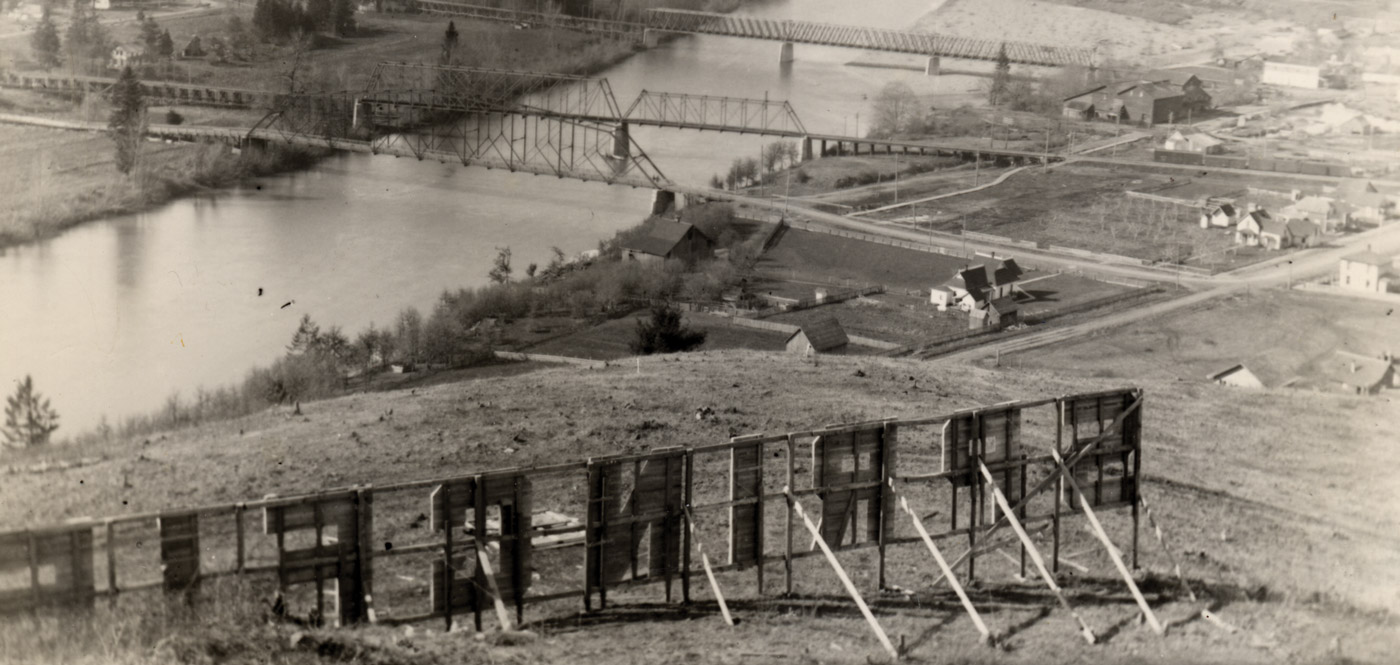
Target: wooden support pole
(478,529)
(448,576)
(238,538)
(841,573)
(112,563)
(1059,487)
(1161,540)
(943,566)
(1010,515)
(685,535)
(1113,552)
(485,560)
(709,573)
(791,475)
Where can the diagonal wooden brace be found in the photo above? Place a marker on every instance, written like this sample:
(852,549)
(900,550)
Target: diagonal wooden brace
(705,560)
(947,571)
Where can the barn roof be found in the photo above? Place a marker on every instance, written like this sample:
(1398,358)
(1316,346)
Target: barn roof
(659,238)
(1004,271)
(823,335)
(1354,370)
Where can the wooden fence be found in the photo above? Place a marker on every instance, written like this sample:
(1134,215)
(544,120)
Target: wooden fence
(484,544)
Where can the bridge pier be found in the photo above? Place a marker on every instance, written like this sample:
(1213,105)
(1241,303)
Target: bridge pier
(805,152)
(933,66)
(651,38)
(663,201)
(785,53)
(622,142)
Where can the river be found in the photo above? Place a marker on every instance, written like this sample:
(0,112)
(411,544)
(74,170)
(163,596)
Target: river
(112,317)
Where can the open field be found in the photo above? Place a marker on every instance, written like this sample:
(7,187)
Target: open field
(1277,335)
(827,259)
(609,340)
(1285,525)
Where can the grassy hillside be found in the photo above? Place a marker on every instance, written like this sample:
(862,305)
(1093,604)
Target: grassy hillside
(1278,504)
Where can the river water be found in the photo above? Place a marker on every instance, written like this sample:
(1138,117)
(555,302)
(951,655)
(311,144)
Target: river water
(112,317)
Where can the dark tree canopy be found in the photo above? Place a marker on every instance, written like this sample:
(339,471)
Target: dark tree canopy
(128,119)
(664,333)
(45,41)
(29,420)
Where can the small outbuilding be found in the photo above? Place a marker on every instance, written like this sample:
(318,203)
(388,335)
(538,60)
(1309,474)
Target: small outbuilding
(1224,216)
(1357,374)
(1236,375)
(193,49)
(1193,141)
(824,336)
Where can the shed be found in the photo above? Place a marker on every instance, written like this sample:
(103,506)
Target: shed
(995,314)
(1236,375)
(662,240)
(1223,215)
(193,48)
(824,336)
(1190,141)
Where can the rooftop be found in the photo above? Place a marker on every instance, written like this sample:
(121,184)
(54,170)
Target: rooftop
(1354,370)
(824,335)
(1370,258)
(660,238)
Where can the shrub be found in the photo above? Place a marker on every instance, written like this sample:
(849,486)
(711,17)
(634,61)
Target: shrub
(664,333)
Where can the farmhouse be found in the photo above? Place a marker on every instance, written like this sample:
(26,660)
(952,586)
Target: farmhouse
(1281,234)
(1250,226)
(1236,375)
(824,336)
(974,285)
(125,55)
(1193,141)
(1357,374)
(1367,271)
(1223,216)
(662,240)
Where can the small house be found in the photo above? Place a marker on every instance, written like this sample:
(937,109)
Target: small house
(128,55)
(1363,202)
(1078,108)
(662,240)
(1291,75)
(1367,271)
(978,283)
(1357,374)
(193,48)
(1190,141)
(1317,209)
(941,297)
(1221,216)
(997,313)
(1278,233)
(1250,226)
(824,336)
(1236,375)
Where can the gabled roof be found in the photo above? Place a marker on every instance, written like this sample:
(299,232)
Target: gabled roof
(660,238)
(1276,227)
(1005,272)
(1369,258)
(1148,89)
(972,279)
(1354,370)
(1233,369)
(1225,208)
(1360,193)
(1004,305)
(1177,77)
(1301,228)
(1316,204)
(823,335)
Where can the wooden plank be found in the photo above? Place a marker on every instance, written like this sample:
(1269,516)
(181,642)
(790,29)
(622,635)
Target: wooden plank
(332,509)
(485,561)
(845,579)
(709,573)
(947,571)
(745,478)
(1112,551)
(1010,514)
(460,496)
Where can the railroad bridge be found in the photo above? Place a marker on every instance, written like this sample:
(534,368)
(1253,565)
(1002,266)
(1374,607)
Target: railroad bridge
(655,22)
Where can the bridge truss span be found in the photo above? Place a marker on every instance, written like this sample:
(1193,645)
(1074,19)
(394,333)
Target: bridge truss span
(875,39)
(724,114)
(478,89)
(529,20)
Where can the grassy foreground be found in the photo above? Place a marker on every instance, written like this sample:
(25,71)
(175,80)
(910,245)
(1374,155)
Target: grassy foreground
(1274,501)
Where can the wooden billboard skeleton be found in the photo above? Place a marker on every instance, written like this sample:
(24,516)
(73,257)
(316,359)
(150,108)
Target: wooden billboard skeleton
(643,504)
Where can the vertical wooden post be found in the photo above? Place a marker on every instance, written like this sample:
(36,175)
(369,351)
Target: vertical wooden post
(523,541)
(690,527)
(319,569)
(787,551)
(632,517)
(478,530)
(841,573)
(666,525)
(111,563)
(1023,510)
(1059,485)
(33,552)
(603,540)
(365,553)
(974,492)
(238,537)
(449,576)
(1133,424)
(888,439)
(760,529)
(281,549)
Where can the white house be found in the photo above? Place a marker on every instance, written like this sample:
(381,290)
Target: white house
(1236,375)
(1191,141)
(1291,75)
(1250,226)
(1222,216)
(1316,209)
(974,285)
(1367,271)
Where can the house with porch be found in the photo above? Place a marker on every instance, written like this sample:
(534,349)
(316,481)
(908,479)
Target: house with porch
(1251,224)
(1277,233)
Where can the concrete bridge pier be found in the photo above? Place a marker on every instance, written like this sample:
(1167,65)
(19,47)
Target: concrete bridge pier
(663,201)
(785,53)
(361,115)
(622,142)
(933,65)
(805,152)
(650,38)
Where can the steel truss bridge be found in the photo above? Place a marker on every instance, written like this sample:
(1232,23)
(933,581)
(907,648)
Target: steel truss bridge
(158,92)
(787,31)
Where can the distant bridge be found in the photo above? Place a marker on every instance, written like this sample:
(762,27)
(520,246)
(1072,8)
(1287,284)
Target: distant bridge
(657,21)
(158,92)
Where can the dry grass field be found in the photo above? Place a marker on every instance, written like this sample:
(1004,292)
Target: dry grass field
(1279,505)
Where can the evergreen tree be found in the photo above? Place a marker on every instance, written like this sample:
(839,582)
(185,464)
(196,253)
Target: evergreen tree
(500,269)
(306,339)
(45,42)
(664,333)
(449,43)
(128,121)
(240,42)
(150,34)
(29,420)
(343,18)
(167,45)
(1001,78)
(75,38)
